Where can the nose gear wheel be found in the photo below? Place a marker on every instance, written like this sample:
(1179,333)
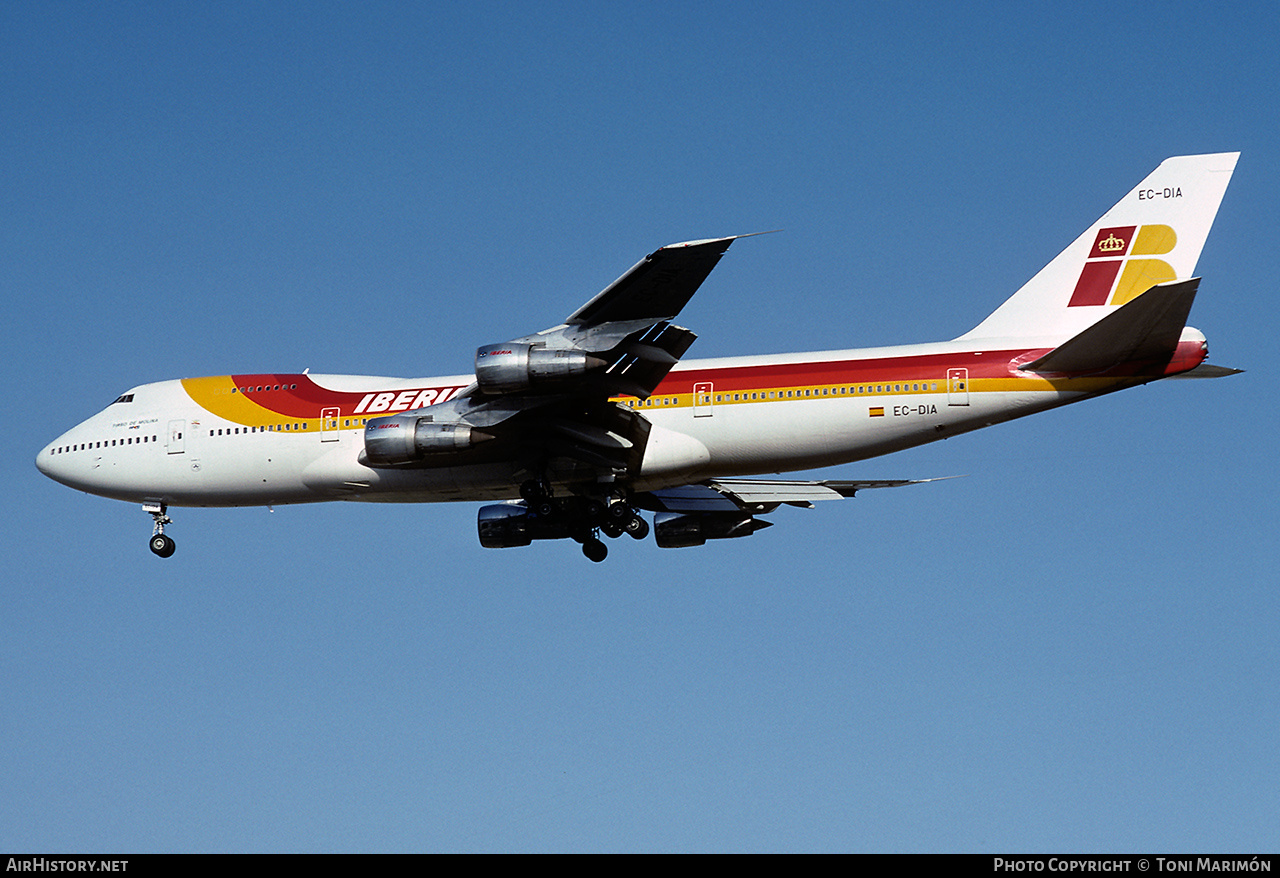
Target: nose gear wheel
(160,544)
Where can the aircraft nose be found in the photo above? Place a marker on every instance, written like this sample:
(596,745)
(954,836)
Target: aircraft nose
(56,462)
(46,461)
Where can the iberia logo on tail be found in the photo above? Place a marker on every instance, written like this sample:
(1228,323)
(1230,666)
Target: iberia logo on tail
(1118,248)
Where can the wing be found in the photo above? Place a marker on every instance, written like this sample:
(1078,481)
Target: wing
(545,396)
(620,342)
(720,509)
(760,495)
(657,287)
(541,416)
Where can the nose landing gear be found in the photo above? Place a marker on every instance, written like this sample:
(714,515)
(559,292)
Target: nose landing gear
(160,544)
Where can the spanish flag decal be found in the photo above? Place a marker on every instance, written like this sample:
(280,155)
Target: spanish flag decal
(876,411)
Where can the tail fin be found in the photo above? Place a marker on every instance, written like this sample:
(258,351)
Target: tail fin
(1153,235)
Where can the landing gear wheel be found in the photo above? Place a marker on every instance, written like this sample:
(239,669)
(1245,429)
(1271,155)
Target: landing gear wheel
(162,545)
(637,527)
(612,529)
(533,490)
(595,550)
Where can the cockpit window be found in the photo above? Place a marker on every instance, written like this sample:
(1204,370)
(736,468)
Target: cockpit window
(128,397)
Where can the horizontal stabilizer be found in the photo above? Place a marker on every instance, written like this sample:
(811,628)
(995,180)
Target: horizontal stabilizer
(1145,329)
(1205,370)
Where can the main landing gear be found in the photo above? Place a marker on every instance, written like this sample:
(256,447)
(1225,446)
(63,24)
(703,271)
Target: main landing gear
(160,544)
(614,521)
(583,519)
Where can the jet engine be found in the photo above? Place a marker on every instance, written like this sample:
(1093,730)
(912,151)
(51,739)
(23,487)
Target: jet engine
(509,367)
(508,525)
(675,530)
(401,439)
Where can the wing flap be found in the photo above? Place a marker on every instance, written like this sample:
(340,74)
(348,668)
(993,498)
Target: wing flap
(644,359)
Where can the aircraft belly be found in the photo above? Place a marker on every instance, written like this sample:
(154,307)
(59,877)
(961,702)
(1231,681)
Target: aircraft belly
(249,476)
(338,474)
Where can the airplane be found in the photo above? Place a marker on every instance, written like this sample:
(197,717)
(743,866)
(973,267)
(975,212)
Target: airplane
(575,431)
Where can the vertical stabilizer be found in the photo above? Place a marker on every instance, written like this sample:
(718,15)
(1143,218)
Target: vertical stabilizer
(1153,235)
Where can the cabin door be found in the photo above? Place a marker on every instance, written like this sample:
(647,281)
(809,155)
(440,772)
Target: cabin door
(329,425)
(702,399)
(177,441)
(957,387)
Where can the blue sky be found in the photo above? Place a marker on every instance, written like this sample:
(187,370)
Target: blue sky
(1073,648)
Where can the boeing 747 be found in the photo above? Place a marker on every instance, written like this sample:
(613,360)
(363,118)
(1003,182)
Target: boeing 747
(576,431)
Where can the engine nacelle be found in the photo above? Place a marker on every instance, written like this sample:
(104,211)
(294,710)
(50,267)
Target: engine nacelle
(676,530)
(504,368)
(508,525)
(504,526)
(401,439)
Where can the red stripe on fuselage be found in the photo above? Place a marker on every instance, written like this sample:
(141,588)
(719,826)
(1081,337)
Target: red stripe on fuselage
(301,401)
(920,367)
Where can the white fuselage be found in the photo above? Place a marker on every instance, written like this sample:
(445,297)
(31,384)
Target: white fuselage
(273,439)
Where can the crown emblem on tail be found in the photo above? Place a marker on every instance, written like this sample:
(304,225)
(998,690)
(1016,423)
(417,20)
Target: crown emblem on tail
(1111,244)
